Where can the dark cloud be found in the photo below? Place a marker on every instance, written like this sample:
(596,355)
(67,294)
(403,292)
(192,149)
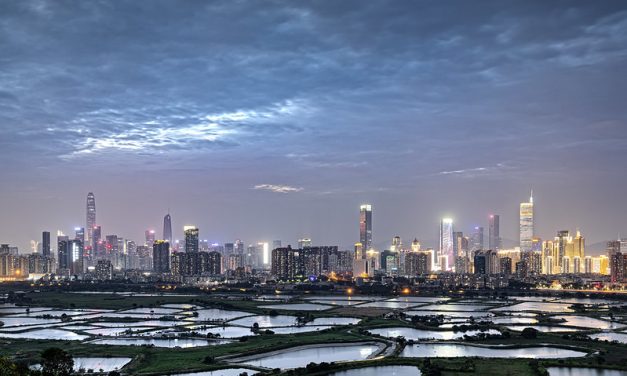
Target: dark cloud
(382,101)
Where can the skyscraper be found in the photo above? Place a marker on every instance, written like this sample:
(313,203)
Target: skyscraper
(476,239)
(365,226)
(526,225)
(446,256)
(494,236)
(191,238)
(79,234)
(304,242)
(91,216)
(167,228)
(45,243)
(150,237)
(161,256)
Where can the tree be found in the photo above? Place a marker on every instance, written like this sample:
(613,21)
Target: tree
(56,362)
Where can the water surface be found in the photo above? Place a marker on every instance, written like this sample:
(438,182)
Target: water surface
(445,350)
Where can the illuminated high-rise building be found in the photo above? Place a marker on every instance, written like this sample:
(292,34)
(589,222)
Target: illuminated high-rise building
(91,217)
(150,237)
(415,245)
(476,239)
(191,238)
(304,242)
(79,234)
(560,250)
(446,255)
(365,226)
(494,233)
(45,243)
(397,244)
(97,247)
(161,256)
(526,225)
(167,228)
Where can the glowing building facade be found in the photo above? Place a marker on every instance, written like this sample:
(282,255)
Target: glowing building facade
(446,253)
(91,217)
(526,225)
(365,226)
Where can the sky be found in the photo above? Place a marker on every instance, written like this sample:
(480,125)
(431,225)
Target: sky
(263,120)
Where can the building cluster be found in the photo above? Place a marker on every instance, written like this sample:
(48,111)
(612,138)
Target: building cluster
(308,263)
(458,257)
(458,254)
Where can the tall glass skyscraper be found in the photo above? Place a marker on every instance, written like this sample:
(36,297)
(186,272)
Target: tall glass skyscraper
(494,236)
(191,239)
(446,256)
(476,239)
(91,217)
(167,228)
(365,226)
(526,225)
(45,243)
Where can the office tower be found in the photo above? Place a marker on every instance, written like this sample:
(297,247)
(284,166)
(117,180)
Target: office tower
(304,242)
(45,243)
(359,251)
(560,244)
(578,248)
(62,251)
(91,217)
(111,248)
(397,244)
(494,236)
(460,244)
(446,256)
(480,263)
(191,238)
(263,250)
(534,260)
(389,262)
(144,257)
(276,244)
(70,254)
(613,246)
(150,237)
(228,248)
(132,259)
(487,262)
(79,234)
(415,245)
(97,249)
(239,247)
(167,228)
(161,256)
(365,226)
(476,239)
(526,225)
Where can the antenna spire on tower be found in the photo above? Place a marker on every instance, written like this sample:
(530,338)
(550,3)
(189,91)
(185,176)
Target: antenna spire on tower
(531,197)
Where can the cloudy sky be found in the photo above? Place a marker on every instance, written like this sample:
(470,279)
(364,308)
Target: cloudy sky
(267,120)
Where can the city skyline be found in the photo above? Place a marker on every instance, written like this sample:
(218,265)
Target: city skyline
(294,114)
(474,235)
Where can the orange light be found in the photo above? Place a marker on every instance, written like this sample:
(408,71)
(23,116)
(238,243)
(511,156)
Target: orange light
(349,291)
(406,290)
